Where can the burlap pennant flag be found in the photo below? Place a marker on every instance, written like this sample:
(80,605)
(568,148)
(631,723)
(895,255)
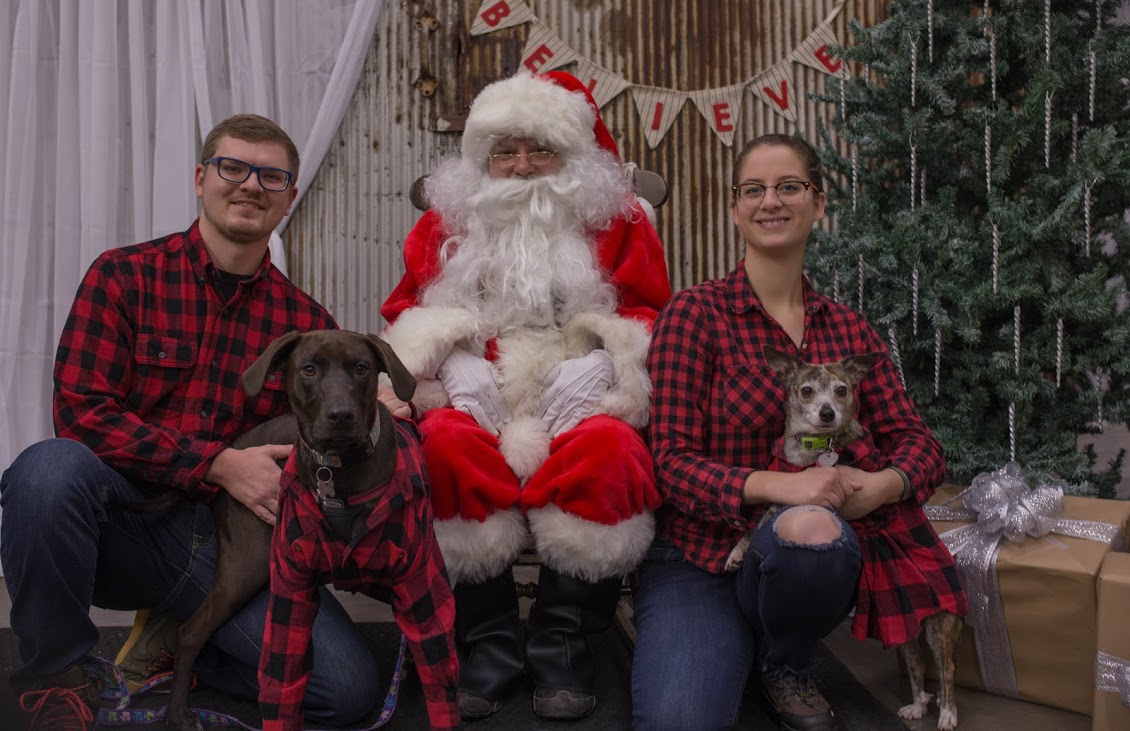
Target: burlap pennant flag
(544,51)
(720,107)
(815,51)
(775,87)
(602,83)
(498,14)
(657,108)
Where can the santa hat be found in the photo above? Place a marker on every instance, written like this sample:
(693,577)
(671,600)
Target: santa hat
(554,108)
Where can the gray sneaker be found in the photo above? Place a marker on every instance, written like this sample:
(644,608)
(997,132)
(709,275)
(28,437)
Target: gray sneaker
(565,704)
(473,706)
(798,703)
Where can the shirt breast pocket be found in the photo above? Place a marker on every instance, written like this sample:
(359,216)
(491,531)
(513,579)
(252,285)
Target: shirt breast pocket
(164,364)
(750,397)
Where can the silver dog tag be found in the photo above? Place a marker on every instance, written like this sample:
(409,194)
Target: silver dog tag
(827,458)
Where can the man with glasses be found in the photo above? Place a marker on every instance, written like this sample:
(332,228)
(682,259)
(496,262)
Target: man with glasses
(147,399)
(524,314)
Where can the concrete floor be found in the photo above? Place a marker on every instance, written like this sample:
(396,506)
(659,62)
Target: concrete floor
(875,668)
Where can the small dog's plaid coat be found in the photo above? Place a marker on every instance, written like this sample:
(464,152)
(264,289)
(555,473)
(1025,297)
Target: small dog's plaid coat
(908,573)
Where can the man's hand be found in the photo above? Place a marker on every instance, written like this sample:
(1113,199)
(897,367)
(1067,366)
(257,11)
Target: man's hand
(574,388)
(876,489)
(471,385)
(387,396)
(251,476)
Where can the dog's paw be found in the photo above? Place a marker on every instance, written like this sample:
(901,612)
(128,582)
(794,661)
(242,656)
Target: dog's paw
(917,709)
(947,719)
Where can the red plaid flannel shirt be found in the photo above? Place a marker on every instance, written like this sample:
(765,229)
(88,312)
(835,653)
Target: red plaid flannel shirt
(717,407)
(398,551)
(148,367)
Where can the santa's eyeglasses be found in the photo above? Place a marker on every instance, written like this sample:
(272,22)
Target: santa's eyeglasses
(506,161)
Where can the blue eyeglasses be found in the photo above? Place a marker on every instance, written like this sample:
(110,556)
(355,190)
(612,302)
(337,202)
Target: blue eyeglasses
(237,171)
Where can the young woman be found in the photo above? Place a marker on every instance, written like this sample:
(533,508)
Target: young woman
(845,534)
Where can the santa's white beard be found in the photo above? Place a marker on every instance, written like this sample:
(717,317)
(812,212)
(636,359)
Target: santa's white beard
(521,256)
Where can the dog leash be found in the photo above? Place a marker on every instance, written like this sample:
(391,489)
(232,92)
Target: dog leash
(115,689)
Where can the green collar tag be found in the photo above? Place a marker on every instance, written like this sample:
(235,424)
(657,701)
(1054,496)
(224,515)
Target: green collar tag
(814,443)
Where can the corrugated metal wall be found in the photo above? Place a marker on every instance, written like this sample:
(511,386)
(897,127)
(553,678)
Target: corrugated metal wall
(344,240)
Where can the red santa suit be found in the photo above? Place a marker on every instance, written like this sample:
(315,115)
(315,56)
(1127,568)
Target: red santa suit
(586,495)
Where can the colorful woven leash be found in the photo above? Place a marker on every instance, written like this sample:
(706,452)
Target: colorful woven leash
(115,689)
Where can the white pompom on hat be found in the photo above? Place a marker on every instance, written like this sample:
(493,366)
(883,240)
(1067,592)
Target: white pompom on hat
(554,108)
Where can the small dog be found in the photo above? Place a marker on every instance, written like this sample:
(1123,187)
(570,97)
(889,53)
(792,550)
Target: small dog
(820,419)
(331,378)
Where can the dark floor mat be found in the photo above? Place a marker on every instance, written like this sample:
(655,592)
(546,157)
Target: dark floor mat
(856,707)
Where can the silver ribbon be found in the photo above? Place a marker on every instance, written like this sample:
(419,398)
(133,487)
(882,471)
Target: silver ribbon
(1112,675)
(1003,507)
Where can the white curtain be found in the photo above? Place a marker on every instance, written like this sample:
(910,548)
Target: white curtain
(103,107)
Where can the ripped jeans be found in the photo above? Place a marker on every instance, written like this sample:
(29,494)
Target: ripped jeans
(699,634)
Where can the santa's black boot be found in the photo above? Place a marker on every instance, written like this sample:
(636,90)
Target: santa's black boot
(558,654)
(488,638)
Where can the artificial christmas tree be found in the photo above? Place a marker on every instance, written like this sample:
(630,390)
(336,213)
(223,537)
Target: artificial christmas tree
(980,223)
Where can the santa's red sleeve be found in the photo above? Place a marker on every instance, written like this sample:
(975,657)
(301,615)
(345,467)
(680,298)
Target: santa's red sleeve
(421,265)
(632,254)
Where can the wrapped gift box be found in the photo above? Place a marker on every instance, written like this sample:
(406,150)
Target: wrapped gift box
(1113,643)
(1047,595)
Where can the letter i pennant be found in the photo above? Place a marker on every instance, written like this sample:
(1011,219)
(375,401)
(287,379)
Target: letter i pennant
(657,108)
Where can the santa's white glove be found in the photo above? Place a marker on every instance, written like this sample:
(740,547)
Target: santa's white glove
(575,387)
(471,385)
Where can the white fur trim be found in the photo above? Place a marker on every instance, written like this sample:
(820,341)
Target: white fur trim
(626,340)
(647,208)
(524,442)
(423,336)
(528,107)
(475,551)
(588,550)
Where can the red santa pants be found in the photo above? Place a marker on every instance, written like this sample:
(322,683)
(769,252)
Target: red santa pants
(600,471)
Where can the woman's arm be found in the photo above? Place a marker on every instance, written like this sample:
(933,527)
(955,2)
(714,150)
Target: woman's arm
(901,437)
(681,362)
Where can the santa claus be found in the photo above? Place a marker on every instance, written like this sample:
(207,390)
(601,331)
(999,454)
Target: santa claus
(524,313)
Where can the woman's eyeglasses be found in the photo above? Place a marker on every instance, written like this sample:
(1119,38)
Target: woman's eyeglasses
(788,192)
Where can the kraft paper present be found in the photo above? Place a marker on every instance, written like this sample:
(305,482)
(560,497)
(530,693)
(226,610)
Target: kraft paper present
(1047,590)
(1113,642)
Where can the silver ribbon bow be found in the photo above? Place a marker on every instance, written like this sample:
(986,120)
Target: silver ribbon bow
(1004,507)
(1112,675)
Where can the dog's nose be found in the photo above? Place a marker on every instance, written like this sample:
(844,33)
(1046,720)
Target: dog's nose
(340,415)
(827,414)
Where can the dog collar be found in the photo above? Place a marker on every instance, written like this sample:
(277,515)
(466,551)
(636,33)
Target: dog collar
(334,459)
(814,443)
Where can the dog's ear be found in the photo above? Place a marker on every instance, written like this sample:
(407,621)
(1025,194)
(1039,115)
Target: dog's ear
(403,382)
(856,366)
(277,352)
(783,364)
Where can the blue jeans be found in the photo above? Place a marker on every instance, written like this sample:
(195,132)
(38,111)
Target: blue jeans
(699,634)
(68,544)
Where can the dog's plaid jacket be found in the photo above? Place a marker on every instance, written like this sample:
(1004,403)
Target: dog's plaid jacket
(717,408)
(148,366)
(397,557)
(908,573)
